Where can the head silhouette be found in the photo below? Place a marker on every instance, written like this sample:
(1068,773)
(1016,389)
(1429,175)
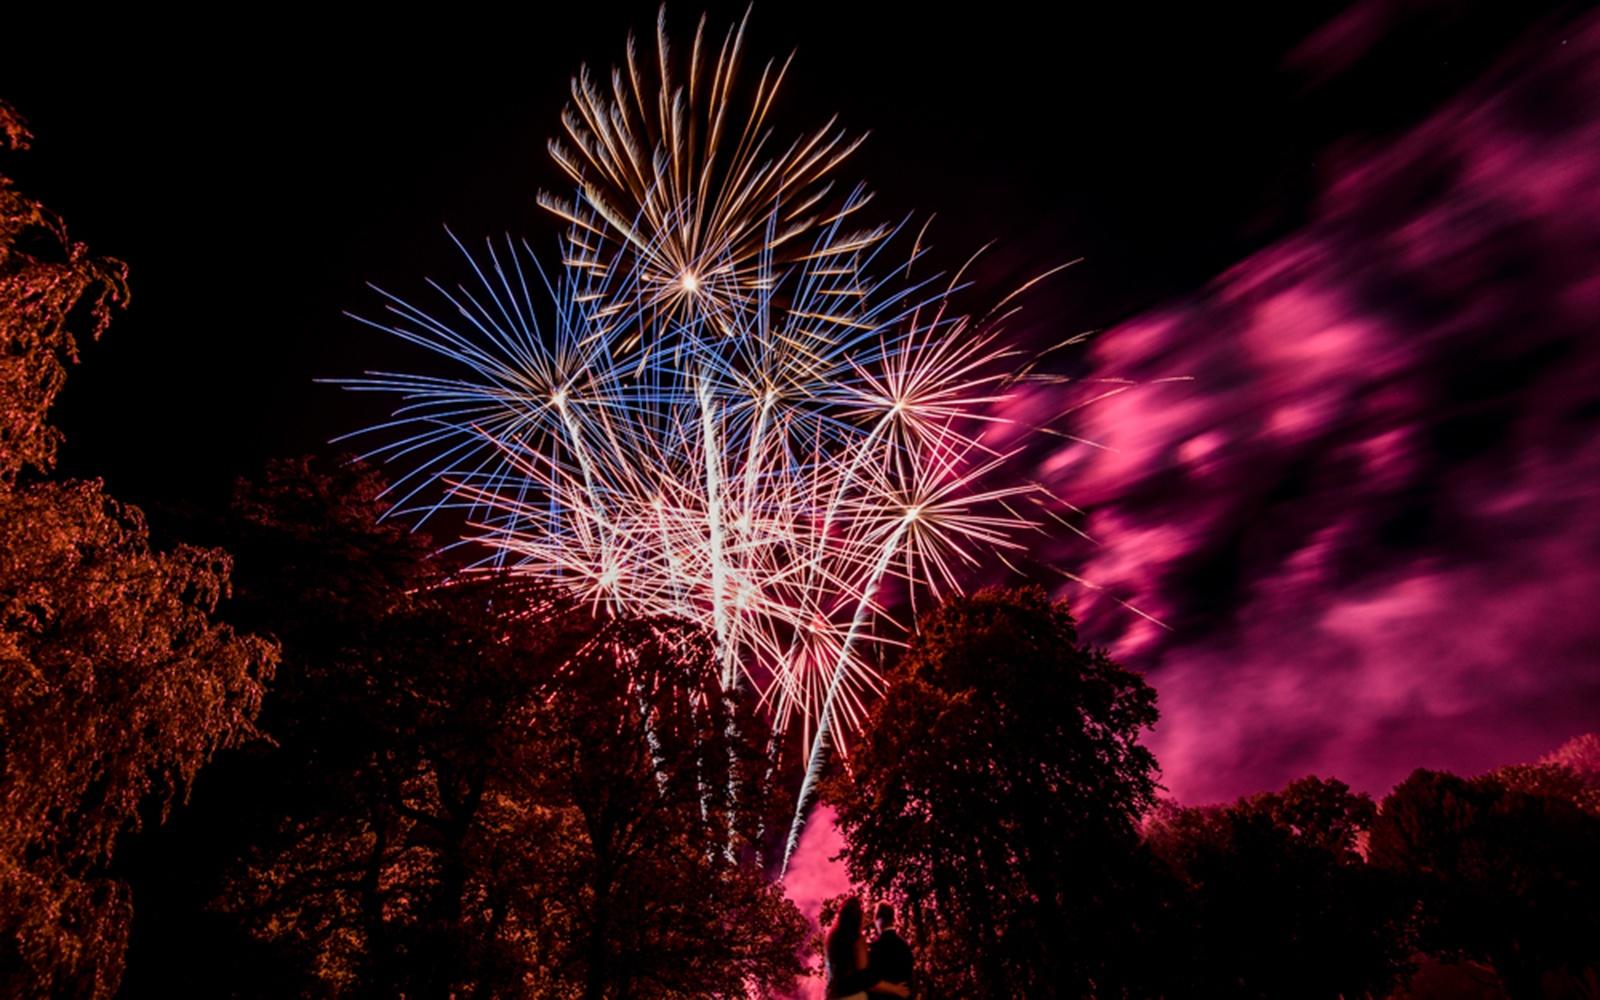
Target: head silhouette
(884,915)
(844,933)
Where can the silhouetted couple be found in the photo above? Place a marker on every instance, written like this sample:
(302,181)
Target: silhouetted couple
(858,969)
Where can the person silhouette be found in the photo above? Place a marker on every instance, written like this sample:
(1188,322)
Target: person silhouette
(889,959)
(845,956)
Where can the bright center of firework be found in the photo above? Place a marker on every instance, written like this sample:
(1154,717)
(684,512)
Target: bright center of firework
(913,513)
(691,284)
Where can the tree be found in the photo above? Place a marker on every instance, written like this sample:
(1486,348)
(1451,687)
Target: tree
(1504,875)
(116,683)
(1580,755)
(52,293)
(1570,772)
(319,569)
(654,905)
(474,787)
(370,864)
(1276,899)
(994,792)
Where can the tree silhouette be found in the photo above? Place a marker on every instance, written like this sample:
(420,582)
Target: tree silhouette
(116,684)
(994,792)
(318,569)
(654,907)
(1503,874)
(473,787)
(1276,899)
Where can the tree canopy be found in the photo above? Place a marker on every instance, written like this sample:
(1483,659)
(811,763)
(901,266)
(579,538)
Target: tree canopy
(995,792)
(117,683)
(474,786)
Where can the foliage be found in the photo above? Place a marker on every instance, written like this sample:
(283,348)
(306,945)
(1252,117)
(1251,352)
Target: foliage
(444,811)
(1504,872)
(655,907)
(1275,899)
(52,294)
(1580,755)
(116,683)
(994,793)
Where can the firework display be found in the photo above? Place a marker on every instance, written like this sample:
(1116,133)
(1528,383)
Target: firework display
(728,403)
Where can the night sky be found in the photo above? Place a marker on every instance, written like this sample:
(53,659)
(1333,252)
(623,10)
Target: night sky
(1369,237)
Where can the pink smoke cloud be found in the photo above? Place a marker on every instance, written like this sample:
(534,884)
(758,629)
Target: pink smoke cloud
(1372,519)
(814,877)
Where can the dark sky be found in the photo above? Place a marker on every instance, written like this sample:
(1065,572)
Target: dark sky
(255,174)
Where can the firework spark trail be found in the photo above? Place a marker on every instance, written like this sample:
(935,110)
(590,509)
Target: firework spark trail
(662,192)
(766,483)
(733,412)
